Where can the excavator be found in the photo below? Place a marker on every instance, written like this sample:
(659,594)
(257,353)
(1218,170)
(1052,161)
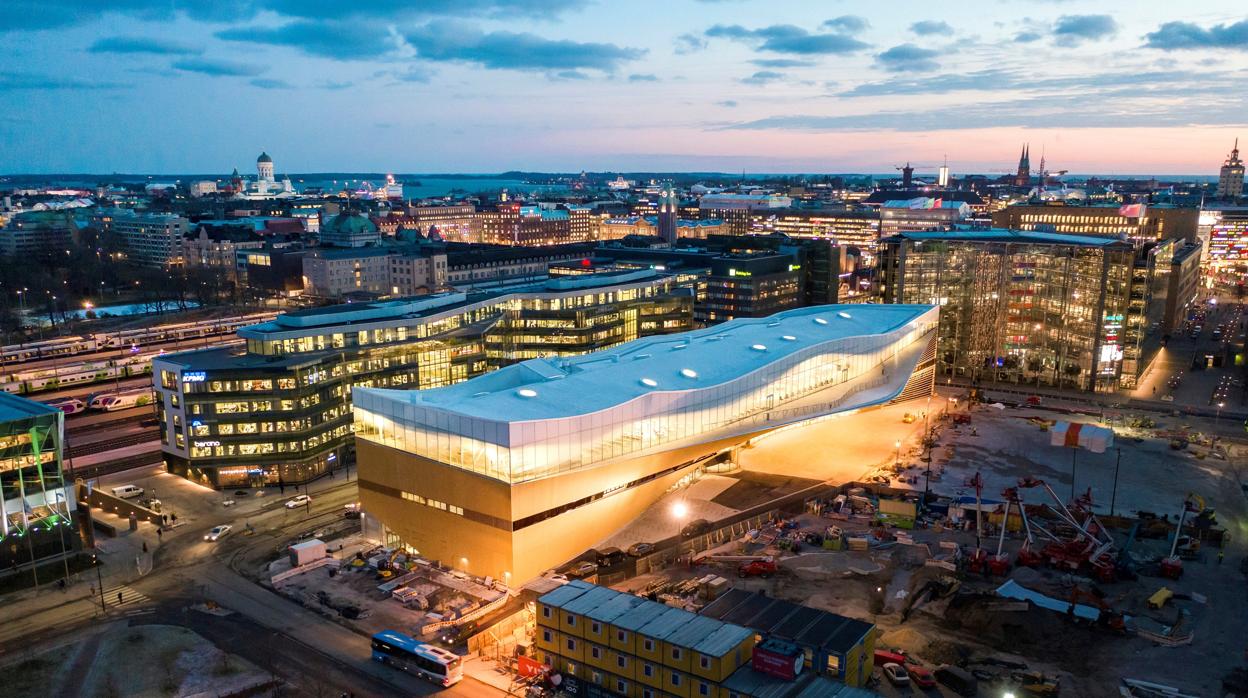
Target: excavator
(1108,618)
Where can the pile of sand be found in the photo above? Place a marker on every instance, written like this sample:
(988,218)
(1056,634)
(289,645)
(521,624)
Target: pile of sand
(907,639)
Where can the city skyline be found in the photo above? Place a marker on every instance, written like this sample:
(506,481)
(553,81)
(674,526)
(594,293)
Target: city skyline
(489,86)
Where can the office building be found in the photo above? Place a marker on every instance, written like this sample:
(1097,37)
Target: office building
(330,272)
(624,646)
(737,211)
(511,223)
(38,507)
(150,239)
(1035,308)
(216,245)
(830,645)
(1137,223)
(280,411)
(649,226)
(860,229)
(473,265)
(919,214)
(348,229)
(1227,239)
(1231,176)
(453,223)
(520,470)
(417,272)
(38,234)
(583,222)
(751,284)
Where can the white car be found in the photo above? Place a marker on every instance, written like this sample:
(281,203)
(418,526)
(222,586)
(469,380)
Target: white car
(896,674)
(218,532)
(300,501)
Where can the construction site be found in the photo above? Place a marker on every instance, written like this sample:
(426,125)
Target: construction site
(1062,551)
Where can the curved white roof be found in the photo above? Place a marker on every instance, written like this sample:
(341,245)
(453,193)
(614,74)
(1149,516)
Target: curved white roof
(551,388)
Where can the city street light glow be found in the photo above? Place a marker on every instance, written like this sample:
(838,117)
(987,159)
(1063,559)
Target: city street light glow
(680,509)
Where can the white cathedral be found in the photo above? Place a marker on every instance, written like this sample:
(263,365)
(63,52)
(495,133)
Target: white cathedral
(265,186)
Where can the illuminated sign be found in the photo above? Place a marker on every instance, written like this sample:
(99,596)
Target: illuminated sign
(207,444)
(734,272)
(194,377)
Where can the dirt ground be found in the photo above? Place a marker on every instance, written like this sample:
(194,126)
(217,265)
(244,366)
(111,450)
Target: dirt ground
(974,627)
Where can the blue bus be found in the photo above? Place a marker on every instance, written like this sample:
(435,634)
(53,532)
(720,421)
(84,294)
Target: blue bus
(416,657)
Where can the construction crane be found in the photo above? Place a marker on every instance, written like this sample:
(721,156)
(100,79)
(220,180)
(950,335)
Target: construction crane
(1090,545)
(978,562)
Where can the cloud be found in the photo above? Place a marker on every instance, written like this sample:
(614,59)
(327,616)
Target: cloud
(787,38)
(1174,36)
(643,77)
(1028,36)
(139,44)
(218,67)
(271,84)
(907,58)
(689,43)
(39,15)
(341,41)
(929,27)
(847,24)
(997,80)
(31,81)
(727,103)
(782,63)
(763,77)
(415,74)
(452,41)
(569,75)
(1074,30)
(335,84)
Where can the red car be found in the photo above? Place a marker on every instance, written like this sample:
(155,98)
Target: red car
(921,676)
(757,568)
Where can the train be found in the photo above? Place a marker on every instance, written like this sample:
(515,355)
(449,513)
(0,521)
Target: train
(70,346)
(84,373)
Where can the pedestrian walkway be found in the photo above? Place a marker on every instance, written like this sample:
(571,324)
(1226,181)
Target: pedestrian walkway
(123,597)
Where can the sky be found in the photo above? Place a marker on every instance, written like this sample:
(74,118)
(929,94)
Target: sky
(418,86)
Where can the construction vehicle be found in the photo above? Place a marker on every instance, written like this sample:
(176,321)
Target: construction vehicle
(1172,565)
(977,562)
(1089,545)
(1108,618)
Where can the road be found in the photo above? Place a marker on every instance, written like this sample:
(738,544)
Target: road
(314,655)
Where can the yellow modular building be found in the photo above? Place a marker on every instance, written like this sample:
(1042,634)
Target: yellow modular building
(517,471)
(637,648)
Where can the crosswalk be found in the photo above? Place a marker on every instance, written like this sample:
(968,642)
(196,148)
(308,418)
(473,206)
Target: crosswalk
(127,600)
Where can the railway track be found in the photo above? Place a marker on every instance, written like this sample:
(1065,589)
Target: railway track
(115,466)
(70,428)
(113,444)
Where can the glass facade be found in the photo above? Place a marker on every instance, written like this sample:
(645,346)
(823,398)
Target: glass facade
(281,412)
(521,450)
(1060,311)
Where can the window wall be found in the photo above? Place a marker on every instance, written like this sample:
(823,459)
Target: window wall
(526,450)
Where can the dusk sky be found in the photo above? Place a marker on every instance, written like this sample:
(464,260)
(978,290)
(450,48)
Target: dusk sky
(201,86)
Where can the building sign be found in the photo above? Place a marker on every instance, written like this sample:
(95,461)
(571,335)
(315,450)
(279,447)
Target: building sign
(194,377)
(207,444)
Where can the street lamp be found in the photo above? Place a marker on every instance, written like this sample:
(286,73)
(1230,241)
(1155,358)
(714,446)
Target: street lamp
(897,445)
(679,511)
(1219,417)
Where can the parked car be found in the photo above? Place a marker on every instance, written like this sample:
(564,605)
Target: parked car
(610,556)
(757,568)
(298,501)
(241,493)
(640,549)
(957,679)
(883,657)
(695,528)
(896,674)
(127,491)
(921,676)
(582,568)
(218,532)
(351,511)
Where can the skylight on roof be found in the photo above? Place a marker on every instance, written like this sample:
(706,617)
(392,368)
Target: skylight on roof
(845,315)
(788,338)
(821,321)
(759,347)
(688,373)
(526,392)
(649,382)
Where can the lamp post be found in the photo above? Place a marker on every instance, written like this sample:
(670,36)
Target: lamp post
(897,446)
(99,581)
(679,511)
(1219,417)
(1113,497)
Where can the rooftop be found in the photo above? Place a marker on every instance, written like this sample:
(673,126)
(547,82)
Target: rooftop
(1018,236)
(652,619)
(13,408)
(552,388)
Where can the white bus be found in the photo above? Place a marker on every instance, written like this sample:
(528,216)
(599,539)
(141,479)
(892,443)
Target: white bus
(416,657)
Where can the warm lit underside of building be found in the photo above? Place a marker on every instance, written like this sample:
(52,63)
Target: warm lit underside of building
(514,472)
